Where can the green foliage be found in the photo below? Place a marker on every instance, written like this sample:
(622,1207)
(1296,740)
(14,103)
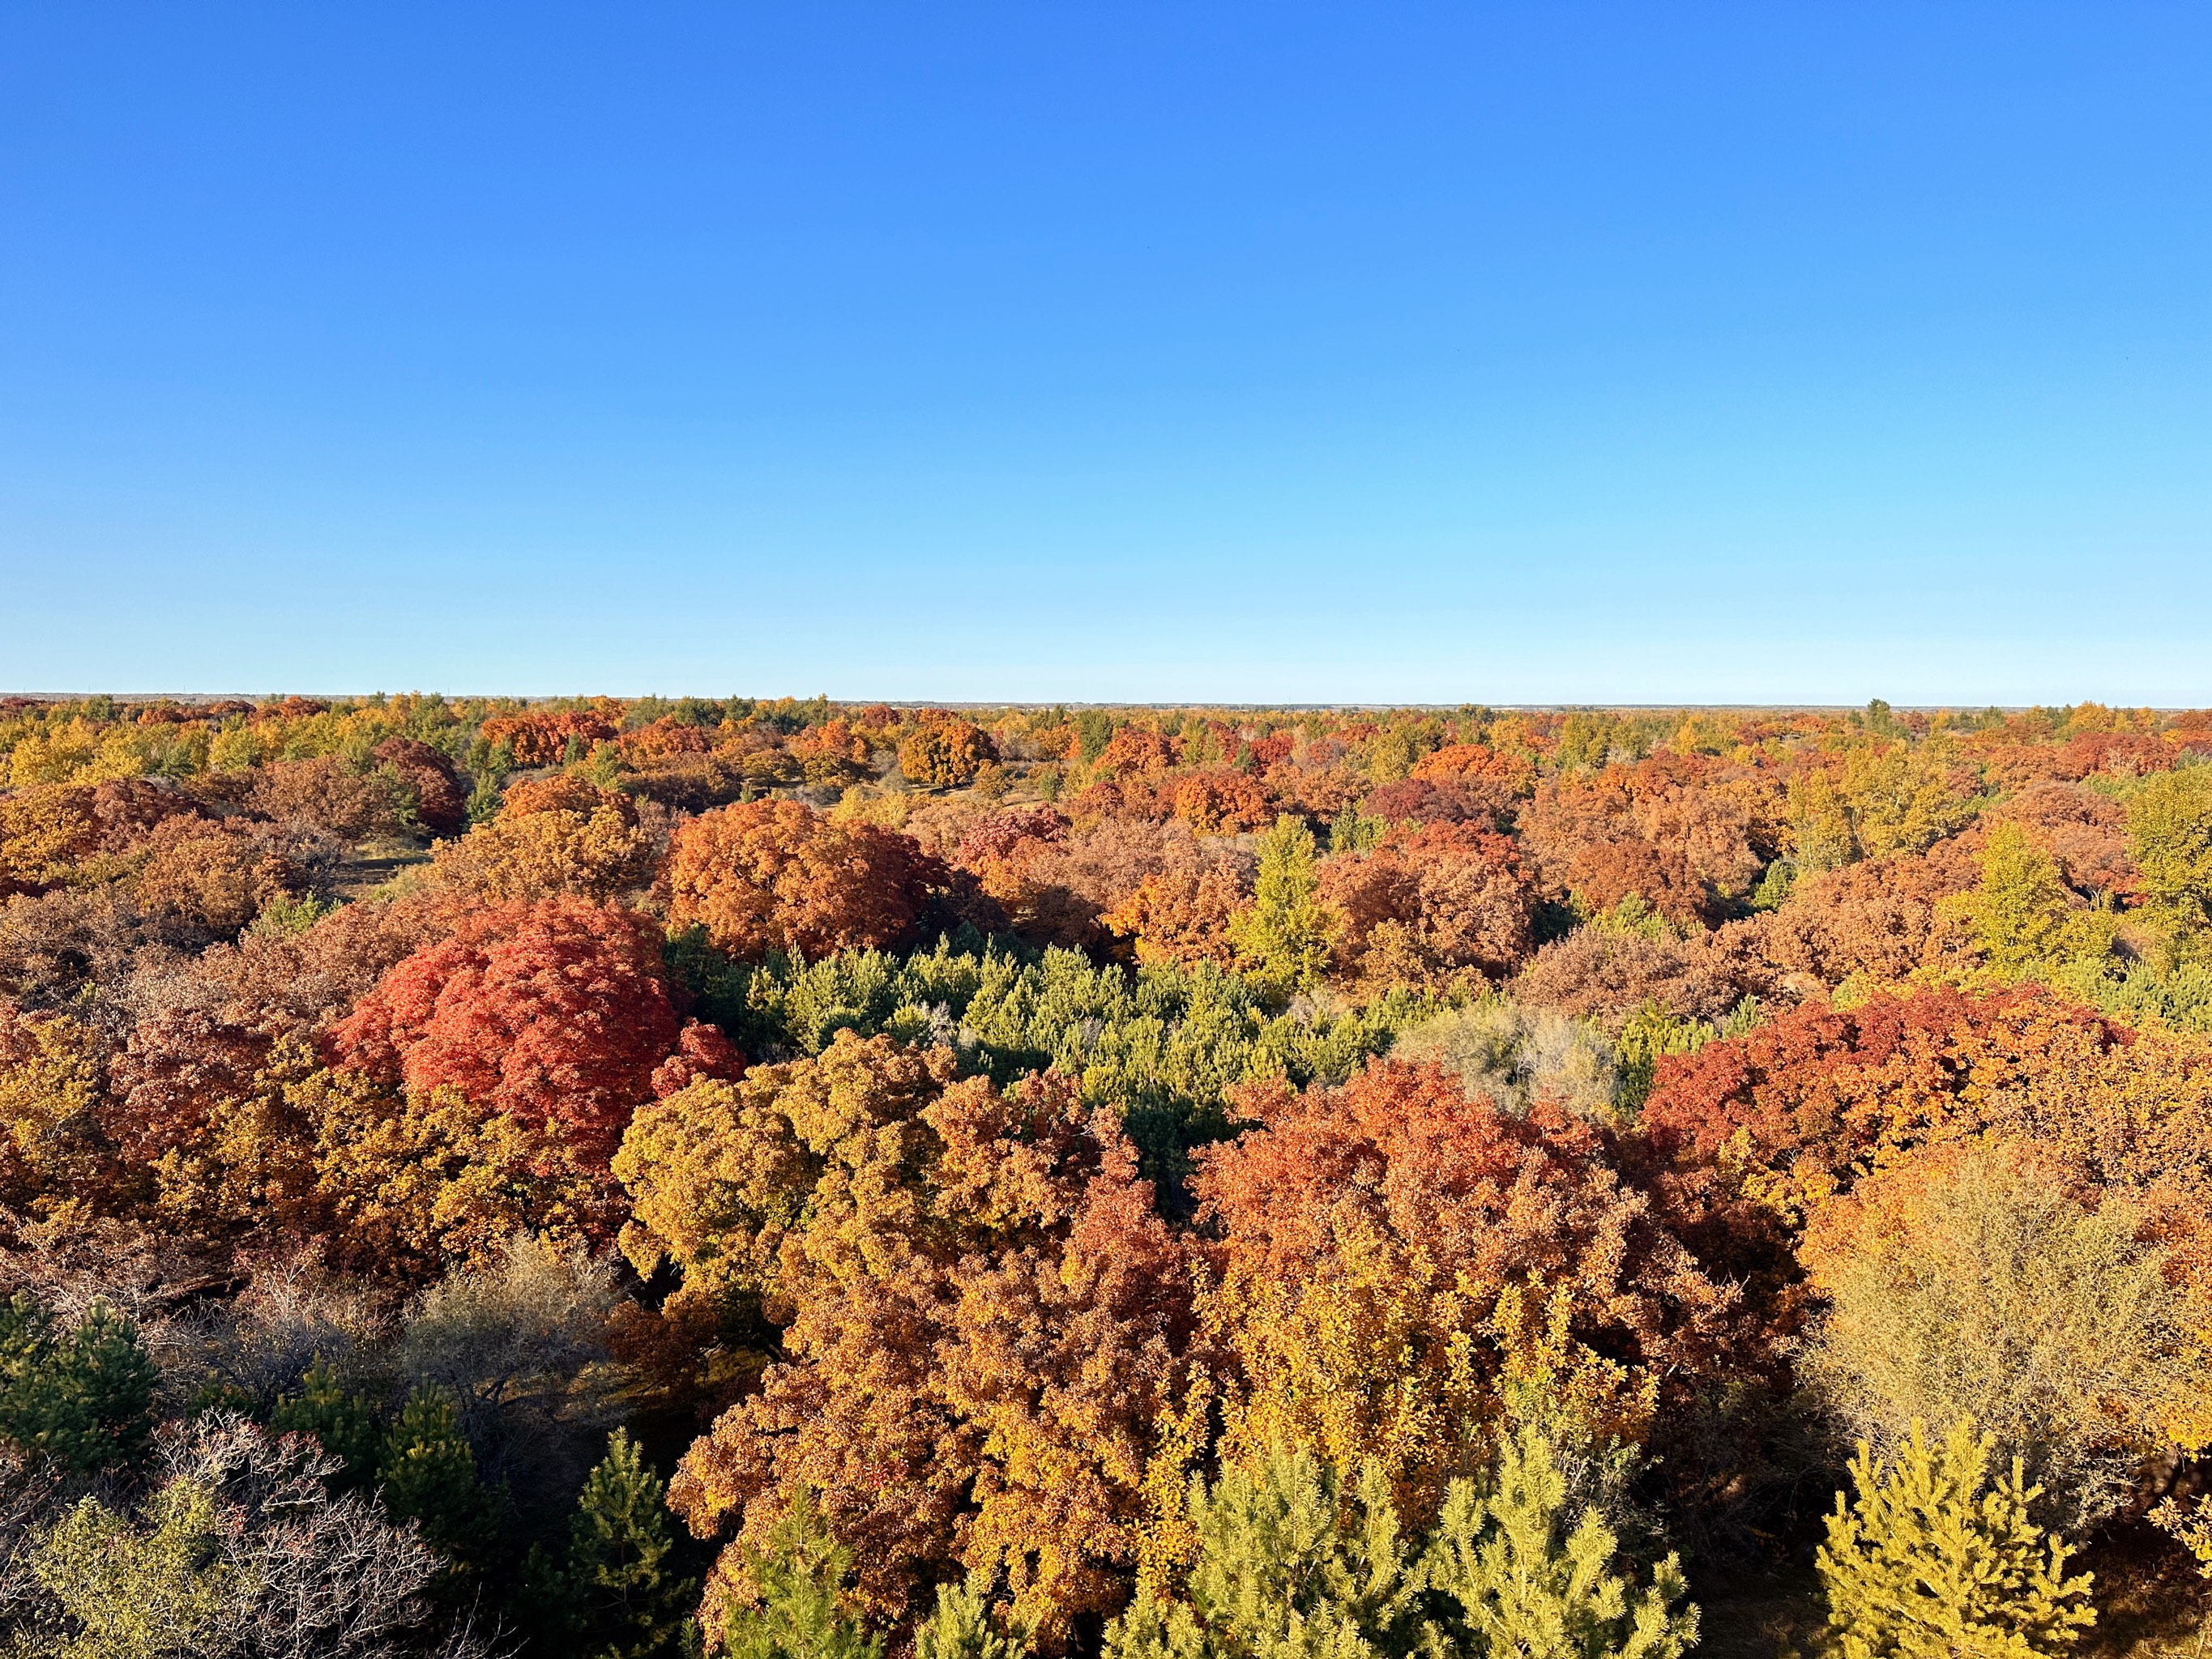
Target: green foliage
(1163,1043)
(429,1475)
(961,1628)
(802,1612)
(1527,1585)
(1774,885)
(1354,831)
(618,1594)
(341,1421)
(1094,730)
(83,1397)
(2170,833)
(1284,934)
(1932,1559)
(1290,1563)
(1651,1031)
(138,1592)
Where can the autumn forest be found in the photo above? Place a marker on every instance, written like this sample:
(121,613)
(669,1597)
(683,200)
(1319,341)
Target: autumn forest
(643,1178)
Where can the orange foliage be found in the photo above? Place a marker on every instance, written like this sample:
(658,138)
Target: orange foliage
(981,1319)
(1222,803)
(1440,902)
(775,875)
(1367,1234)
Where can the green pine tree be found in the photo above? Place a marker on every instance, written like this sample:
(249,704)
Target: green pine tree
(1528,1587)
(342,1422)
(429,1475)
(1284,934)
(83,1397)
(961,1628)
(1933,1559)
(802,1612)
(620,1595)
(1289,1563)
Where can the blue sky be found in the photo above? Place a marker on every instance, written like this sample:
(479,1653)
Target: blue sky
(1511,354)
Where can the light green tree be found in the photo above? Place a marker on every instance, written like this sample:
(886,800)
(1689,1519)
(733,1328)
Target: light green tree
(1933,1559)
(140,1592)
(802,1612)
(1290,1565)
(621,1595)
(1283,936)
(961,1628)
(2170,833)
(1529,1584)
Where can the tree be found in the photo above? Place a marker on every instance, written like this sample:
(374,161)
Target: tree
(802,1611)
(1289,1561)
(1974,1284)
(1527,1588)
(240,1549)
(982,1320)
(946,753)
(430,776)
(2170,832)
(558,836)
(82,1396)
(1285,933)
(621,1595)
(134,1594)
(553,1013)
(340,1421)
(775,875)
(1372,1236)
(1932,1557)
(428,1473)
(961,1628)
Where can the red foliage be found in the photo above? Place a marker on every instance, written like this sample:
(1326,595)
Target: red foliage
(552,1013)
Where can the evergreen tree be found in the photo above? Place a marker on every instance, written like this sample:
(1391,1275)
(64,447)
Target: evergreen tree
(1288,1563)
(429,1475)
(1527,1588)
(340,1421)
(1284,934)
(138,1593)
(1933,1559)
(961,1629)
(83,1397)
(802,1612)
(618,1594)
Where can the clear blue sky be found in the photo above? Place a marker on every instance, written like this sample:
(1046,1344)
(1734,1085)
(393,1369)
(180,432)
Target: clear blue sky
(1550,352)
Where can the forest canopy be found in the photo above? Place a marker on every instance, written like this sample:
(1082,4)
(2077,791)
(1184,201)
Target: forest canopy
(634,1177)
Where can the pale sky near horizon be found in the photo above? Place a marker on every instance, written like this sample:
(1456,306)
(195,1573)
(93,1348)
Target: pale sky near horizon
(1504,354)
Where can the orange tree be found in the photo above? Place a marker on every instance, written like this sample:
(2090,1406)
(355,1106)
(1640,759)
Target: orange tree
(981,1317)
(776,875)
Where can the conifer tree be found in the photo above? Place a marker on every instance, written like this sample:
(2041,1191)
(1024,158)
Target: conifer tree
(1288,1563)
(802,1612)
(1528,1588)
(1933,1558)
(961,1628)
(341,1421)
(621,1595)
(1284,934)
(429,1475)
(83,1397)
